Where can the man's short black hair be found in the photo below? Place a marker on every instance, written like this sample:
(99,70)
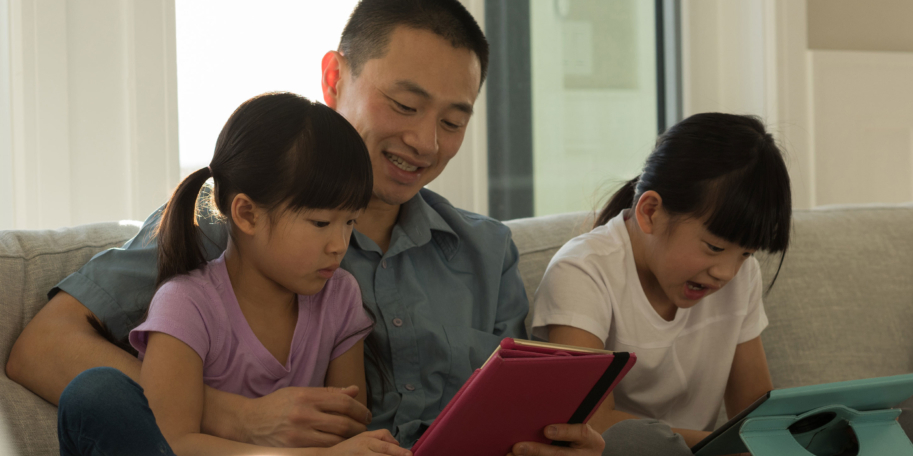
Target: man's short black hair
(367,34)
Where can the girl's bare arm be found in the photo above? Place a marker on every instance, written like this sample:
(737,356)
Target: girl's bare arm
(172,377)
(607,416)
(349,369)
(749,377)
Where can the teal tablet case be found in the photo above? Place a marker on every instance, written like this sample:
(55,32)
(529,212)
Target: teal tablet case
(816,420)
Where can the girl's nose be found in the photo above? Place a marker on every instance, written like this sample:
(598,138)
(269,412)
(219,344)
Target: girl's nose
(724,271)
(338,243)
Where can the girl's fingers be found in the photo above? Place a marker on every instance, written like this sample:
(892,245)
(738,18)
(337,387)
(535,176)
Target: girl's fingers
(382,447)
(384,435)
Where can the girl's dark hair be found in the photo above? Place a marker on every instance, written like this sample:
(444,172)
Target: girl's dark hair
(280,149)
(721,166)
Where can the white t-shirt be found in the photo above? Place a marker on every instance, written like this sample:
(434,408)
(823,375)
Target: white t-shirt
(682,365)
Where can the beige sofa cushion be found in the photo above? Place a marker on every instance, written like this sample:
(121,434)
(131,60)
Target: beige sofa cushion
(31,262)
(842,307)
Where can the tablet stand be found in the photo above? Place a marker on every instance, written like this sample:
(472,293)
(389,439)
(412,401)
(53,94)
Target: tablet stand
(877,432)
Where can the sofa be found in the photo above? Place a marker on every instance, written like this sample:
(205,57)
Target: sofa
(841,308)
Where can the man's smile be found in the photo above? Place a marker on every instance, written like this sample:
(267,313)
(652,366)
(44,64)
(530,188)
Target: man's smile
(400,163)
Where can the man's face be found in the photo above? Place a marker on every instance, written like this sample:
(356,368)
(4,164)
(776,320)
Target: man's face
(411,107)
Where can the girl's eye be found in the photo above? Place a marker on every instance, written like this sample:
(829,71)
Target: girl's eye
(713,248)
(351,222)
(748,254)
(320,224)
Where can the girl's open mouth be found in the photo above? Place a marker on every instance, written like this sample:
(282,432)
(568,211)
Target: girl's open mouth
(694,291)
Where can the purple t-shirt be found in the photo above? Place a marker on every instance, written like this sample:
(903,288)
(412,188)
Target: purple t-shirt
(200,309)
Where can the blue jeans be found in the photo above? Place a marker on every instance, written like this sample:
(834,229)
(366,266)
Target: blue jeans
(104,412)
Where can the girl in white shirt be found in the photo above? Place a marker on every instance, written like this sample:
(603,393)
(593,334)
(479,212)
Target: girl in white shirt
(668,273)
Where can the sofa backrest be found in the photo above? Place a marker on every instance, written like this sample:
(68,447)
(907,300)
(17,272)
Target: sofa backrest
(841,308)
(31,262)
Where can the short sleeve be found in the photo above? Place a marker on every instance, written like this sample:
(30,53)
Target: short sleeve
(178,310)
(513,305)
(755,319)
(572,293)
(353,322)
(117,284)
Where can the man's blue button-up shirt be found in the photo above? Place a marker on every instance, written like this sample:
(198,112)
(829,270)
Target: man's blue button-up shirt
(444,294)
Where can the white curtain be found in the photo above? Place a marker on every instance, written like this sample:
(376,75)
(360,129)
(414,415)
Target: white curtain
(88,122)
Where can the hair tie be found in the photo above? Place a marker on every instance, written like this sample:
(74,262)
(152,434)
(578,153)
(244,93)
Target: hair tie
(210,170)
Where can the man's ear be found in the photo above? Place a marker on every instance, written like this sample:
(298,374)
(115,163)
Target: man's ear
(647,211)
(331,69)
(245,214)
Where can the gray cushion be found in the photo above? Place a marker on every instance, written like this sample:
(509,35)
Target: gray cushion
(840,307)
(31,262)
(839,310)
(538,239)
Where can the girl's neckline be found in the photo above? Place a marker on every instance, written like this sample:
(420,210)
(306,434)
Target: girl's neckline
(630,264)
(246,334)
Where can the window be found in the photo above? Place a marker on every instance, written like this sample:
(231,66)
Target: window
(575,96)
(229,51)
(577,92)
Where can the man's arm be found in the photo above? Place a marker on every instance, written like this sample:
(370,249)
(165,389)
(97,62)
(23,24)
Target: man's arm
(58,344)
(513,304)
(116,287)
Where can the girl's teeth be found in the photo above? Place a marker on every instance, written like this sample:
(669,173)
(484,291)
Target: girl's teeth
(400,163)
(695,287)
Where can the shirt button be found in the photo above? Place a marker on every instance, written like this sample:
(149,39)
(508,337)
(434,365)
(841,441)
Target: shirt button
(384,264)
(410,387)
(397,322)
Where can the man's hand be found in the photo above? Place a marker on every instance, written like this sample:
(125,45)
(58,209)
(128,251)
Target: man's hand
(304,417)
(584,441)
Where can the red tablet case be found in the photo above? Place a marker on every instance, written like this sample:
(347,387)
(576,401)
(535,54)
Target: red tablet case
(524,387)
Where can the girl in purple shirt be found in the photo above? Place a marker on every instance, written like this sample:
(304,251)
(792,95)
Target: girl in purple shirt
(290,176)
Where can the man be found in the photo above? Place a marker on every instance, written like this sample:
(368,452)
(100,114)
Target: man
(442,283)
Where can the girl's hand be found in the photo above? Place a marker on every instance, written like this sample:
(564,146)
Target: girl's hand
(370,443)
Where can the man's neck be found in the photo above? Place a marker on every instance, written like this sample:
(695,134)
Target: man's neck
(377,222)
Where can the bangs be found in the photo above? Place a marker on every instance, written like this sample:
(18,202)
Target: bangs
(330,144)
(749,207)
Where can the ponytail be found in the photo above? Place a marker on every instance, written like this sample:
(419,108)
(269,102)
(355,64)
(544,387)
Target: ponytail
(621,200)
(179,247)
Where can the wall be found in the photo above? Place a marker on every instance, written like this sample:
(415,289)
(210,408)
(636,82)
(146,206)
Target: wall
(861,68)
(6,128)
(93,110)
(820,74)
(465,180)
(853,25)
(749,57)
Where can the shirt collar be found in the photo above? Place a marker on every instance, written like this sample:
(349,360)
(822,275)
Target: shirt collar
(418,224)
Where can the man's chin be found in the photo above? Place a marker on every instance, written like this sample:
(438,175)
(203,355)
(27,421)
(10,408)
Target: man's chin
(395,198)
